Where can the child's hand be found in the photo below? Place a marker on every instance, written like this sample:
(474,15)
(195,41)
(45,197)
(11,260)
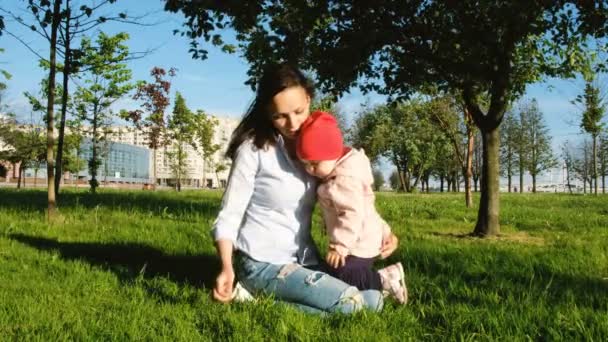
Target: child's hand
(389,245)
(334,259)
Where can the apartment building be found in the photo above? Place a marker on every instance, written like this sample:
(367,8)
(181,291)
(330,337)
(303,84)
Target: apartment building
(198,172)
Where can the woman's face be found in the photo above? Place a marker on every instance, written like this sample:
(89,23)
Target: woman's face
(289,109)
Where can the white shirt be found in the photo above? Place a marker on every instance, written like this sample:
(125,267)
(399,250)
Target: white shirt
(267,206)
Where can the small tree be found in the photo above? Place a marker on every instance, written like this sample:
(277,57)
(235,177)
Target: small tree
(508,147)
(523,140)
(540,156)
(107,83)
(204,133)
(582,164)
(24,145)
(181,132)
(378,179)
(394,181)
(568,158)
(603,159)
(155,97)
(592,121)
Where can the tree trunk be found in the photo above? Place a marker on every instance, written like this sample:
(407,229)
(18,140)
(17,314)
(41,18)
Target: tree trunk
(521,175)
(489,204)
(35,176)
(50,136)
(468,171)
(510,181)
(93,162)
(534,183)
(19,177)
(584,185)
(568,179)
(594,166)
(64,102)
(179,166)
(441,183)
(402,180)
(154,168)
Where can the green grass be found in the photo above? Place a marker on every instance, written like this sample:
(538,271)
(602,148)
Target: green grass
(139,265)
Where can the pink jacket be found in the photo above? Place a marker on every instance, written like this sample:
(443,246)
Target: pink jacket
(346,197)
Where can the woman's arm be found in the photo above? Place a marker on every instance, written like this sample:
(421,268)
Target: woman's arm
(234,205)
(225,280)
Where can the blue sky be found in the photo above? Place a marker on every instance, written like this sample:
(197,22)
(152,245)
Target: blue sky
(217,84)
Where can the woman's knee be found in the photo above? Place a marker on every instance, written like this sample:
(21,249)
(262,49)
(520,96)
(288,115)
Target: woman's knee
(351,300)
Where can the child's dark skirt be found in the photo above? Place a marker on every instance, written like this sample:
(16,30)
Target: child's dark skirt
(358,272)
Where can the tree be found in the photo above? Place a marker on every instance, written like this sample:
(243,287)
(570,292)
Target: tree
(592,121)
(582,164)
(477,160)
(181,131)
(378,179)
(396,47)
(155,97)
(445,114)
(25,145)
(204,133)
(364,133)
(107,83)
(603,159)
(541,153)
(567,156)
(523,140)
(509,146)
(394,181)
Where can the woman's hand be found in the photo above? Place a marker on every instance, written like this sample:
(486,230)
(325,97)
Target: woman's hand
(389,245)
(224,284)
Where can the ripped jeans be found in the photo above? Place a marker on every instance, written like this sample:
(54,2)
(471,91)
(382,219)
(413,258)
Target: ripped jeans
(311,291)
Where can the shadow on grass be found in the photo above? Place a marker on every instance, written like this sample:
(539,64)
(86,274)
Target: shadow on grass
(158,203)
(453,235)
(130,261)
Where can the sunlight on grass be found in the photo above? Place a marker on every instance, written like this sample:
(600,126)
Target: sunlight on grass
(139,266)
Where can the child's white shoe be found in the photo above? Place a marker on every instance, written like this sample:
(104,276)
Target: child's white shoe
(393,282)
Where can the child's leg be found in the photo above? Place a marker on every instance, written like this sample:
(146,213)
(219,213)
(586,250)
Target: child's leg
(358,272)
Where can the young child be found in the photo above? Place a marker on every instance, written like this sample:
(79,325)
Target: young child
(354,227)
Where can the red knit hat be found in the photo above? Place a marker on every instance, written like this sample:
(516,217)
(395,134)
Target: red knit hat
(319,138)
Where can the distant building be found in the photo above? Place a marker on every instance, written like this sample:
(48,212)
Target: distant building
(119,162)
(198,172)
(126,158)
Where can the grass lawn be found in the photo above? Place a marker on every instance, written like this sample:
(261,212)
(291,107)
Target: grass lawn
(138,266)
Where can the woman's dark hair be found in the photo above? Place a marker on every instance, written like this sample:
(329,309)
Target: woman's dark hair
(257,121)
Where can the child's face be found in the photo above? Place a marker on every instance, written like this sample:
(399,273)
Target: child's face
(319,168)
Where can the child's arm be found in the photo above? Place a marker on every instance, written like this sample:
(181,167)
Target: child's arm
(348,199)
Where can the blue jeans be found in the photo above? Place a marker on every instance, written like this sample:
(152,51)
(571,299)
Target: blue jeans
(310,290)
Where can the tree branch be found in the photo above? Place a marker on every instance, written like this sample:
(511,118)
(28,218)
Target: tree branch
(26,45)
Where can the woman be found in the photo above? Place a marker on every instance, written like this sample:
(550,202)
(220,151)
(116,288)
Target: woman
(267,207)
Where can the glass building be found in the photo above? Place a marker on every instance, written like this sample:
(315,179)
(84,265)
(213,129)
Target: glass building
(119,162)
